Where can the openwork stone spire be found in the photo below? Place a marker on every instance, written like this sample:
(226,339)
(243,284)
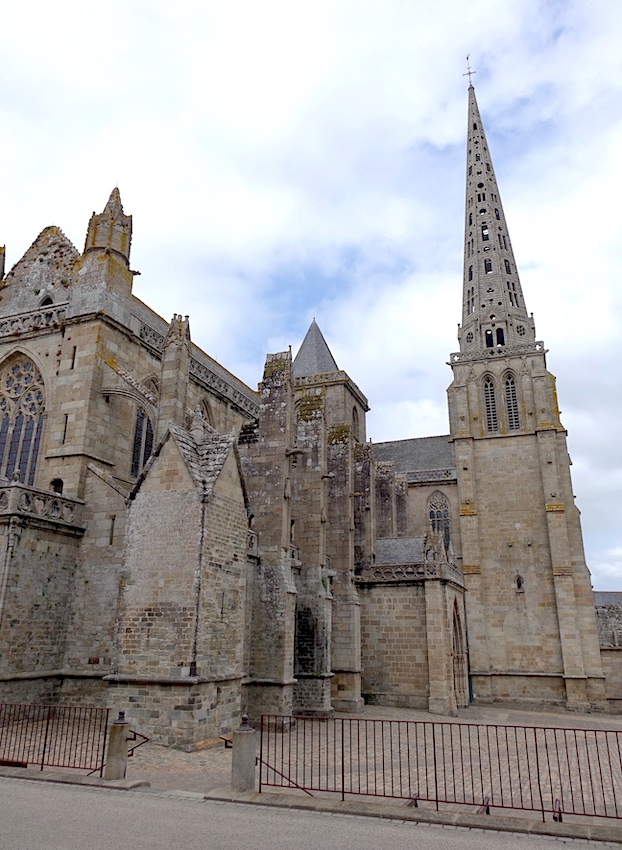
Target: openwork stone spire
(494,316)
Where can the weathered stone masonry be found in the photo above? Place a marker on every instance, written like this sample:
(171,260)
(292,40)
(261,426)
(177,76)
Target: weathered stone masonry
(178,545)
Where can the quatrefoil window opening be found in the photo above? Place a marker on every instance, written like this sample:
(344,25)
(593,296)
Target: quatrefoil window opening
(22,412)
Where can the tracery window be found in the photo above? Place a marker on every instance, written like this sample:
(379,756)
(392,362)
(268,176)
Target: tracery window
(22,413)
(511,400)
(490,402)
(439,515)
(143,441)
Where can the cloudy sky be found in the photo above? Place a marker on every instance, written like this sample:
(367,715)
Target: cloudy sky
(284,160)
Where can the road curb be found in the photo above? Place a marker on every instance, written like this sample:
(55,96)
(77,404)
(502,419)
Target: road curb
(68,779)
(498,823)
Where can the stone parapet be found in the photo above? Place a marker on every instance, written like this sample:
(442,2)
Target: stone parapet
(19,500)
(393,573)
(431,476)
(339,377)
(34,320)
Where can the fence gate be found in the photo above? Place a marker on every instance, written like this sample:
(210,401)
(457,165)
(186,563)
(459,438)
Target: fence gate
(548,770)
(53,736)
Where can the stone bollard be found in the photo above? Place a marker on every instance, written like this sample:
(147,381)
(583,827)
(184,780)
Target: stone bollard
(116,756)
(243,757)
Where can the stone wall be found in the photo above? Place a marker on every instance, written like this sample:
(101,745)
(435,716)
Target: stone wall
(609,621)
(394,645)
(37,584)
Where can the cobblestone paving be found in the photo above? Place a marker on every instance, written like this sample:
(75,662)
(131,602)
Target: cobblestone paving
(205,770)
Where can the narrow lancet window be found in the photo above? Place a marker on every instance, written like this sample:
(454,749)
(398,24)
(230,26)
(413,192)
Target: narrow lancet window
(512,404)
(492,422)
(143,441)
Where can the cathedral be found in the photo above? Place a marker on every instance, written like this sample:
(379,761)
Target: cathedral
(187,548)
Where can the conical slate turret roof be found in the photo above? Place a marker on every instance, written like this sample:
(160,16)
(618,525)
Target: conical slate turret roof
(314,357)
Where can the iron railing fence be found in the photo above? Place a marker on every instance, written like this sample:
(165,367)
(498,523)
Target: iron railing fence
(53,736)
(548,770)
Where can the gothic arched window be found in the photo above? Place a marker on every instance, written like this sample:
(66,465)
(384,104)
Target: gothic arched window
(143,441)
(490,402)
(439,515)
(22,412)
(511,401)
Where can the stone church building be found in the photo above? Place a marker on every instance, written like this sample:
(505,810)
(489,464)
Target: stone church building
(185,547)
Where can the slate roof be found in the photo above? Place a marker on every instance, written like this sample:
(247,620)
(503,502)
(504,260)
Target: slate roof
(399,550)
(419,453)
(607,597)
(314,357)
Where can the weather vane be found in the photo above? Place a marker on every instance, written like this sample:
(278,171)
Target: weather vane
(469,72)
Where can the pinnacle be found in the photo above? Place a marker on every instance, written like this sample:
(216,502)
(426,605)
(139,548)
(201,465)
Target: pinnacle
(114,204)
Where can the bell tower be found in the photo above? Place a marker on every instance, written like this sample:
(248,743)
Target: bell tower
(531,621)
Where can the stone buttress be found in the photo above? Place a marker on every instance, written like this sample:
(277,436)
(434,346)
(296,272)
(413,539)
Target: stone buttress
(267,457)
(181,626)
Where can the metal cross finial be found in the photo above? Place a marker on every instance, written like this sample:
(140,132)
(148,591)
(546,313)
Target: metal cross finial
(469,72)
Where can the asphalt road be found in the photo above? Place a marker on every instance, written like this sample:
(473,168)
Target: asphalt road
(46,816)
